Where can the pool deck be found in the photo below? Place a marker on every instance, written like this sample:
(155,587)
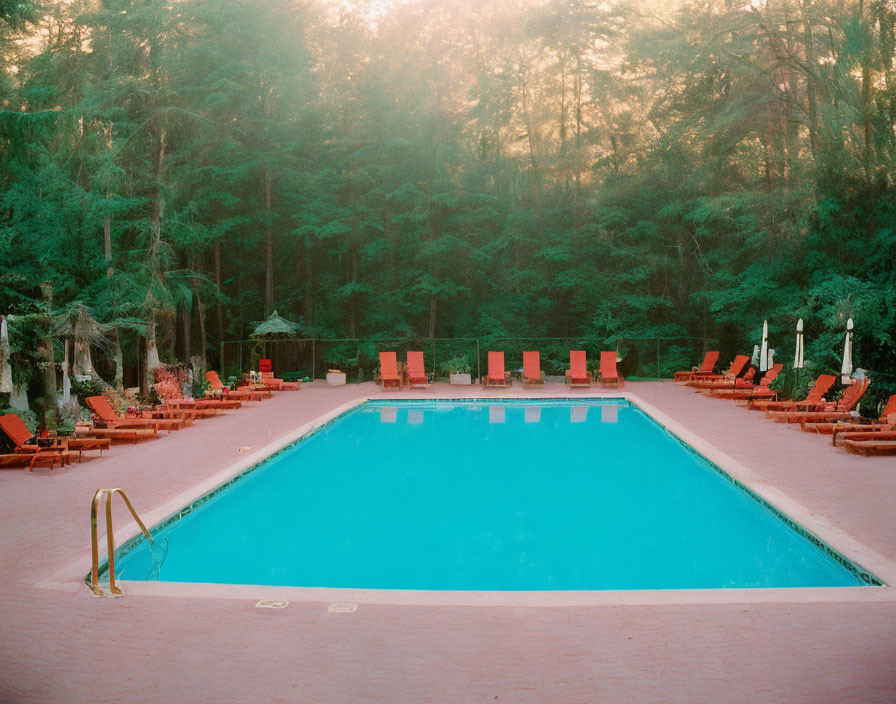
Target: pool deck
(59,643)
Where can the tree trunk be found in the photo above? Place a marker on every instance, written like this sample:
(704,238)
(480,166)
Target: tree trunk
(50,409)
(219,305)
(433,306)
(353,306)
(157,213)
(866,109)
(185,321)
(866,91)
(203,342)
(562,102)
(811,95)
(530,136)
(308,298)
(118,381)
(152,355)
(269,245)
(107,220)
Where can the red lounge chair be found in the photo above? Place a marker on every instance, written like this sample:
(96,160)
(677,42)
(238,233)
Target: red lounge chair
(838,410)
(578,374)
(266,369)
(110,419)
(173,400)
(30,459)
(722,380)
(416,372)
(18,433)
(828,413)
(217,390)
(173,397)
(851,431)
(747,390)
(705,369)
(496,376)
(389,374)
(268,379)
(29,452)
(114,434)
(816,394)
(532,373)
(823,410)
(871,447)
(740,382)
(608,372)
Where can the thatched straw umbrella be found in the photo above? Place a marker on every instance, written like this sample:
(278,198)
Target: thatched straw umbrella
(78,322)
(275,328)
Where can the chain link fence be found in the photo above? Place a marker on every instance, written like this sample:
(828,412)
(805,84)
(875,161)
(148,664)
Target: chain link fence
(647,358)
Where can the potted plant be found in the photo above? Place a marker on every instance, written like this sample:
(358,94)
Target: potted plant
(458,369)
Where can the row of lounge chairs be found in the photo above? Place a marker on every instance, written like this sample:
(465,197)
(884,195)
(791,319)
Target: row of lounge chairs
(174,413)
(413,374)
(815,413)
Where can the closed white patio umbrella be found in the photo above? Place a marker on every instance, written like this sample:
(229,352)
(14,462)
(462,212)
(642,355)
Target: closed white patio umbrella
(763,351)
(846,367)
(798,362)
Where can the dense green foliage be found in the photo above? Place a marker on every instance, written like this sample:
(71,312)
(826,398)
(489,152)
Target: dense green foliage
(473,168)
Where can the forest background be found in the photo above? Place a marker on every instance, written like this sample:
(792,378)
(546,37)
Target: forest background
(172,172)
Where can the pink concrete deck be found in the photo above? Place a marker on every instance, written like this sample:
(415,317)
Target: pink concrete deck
(62,644)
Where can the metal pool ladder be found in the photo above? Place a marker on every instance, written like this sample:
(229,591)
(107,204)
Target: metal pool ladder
(110,540)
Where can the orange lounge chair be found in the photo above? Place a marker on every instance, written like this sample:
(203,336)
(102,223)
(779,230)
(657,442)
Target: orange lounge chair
(747,391)
(217,390)
(845,431)
(496,376)
(705,369)
(816,394)
(823,410)
(722,380)
(15,429)
(163,412)
(173,400)
(115,434)
(266,369)
(173,397)
(268,379)
(30,459)
(842,410)
(110,419)
(532,373)
(578,374)
(416,372)
(740,382)
(881,432)
(871,447)
(390,377)
(608,372)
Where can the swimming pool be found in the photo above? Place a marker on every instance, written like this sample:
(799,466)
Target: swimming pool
(487,495)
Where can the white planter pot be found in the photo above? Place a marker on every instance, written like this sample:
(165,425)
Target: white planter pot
(460,379)
(336,378)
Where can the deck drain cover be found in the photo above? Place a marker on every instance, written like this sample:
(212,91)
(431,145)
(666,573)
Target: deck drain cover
(271,604)
(342,607)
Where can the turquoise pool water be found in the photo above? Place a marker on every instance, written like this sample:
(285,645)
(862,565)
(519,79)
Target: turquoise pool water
(558,495)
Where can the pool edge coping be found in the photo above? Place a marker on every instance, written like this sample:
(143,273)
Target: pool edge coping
(71,577)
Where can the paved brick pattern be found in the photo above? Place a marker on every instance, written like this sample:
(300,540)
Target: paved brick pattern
(58,646)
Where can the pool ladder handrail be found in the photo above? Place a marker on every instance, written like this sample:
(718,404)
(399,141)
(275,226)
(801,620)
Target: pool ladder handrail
(110,539)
